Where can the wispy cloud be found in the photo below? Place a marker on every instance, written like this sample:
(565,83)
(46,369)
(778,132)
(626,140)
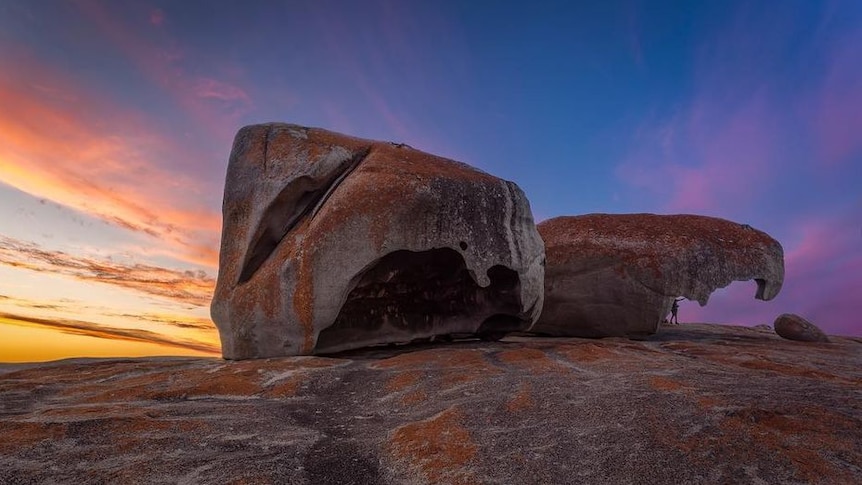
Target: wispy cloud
(215,89)
(823,278)
(60,147)
(824,268)
(73,307)
(157,17)
(162,60)
(746,127)
(88,329)
(187,287)
(707,158)
(376,69)
(68,141)
(746,144)
(178,321)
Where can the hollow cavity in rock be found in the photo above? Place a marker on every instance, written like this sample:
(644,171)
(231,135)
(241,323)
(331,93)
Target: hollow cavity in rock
(407,295)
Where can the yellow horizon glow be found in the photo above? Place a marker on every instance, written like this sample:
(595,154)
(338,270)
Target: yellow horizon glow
(21,343)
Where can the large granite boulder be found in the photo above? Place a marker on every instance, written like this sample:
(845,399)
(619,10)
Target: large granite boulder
(617,275)
(332,242)
(794,327)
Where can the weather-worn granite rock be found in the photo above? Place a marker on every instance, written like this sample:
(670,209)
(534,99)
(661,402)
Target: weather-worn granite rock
(618,274)
(332,242)
(794,327)
(693,404)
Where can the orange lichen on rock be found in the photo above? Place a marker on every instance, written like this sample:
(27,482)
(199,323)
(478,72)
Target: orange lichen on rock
(807,438)
(440,448)
(238,379)
(181,384)
(522,400)
(708,402)
(666,234)
(285,388)
(755,360)
(458,366)
(588,352)
(303,304)
(804,438)
(666,384)
(194,384)
(284,377)
(94,411)
(18,434)
(127,433)
(402,380)
(126,388)
(532,360)
(413,398)
(428,359)
(762,363)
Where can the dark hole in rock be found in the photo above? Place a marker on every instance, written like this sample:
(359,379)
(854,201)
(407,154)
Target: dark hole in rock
(497,326)
(462,245)
(761,288)
(407,295)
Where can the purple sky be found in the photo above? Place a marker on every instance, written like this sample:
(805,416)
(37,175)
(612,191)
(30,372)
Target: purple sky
(116,119)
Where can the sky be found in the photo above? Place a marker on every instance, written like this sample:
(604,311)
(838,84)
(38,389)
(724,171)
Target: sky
(117,118)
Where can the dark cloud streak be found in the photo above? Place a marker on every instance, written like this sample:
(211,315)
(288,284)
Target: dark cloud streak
(89,329)
(189,287)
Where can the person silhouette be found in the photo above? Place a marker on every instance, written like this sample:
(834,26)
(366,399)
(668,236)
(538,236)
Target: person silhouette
(674,310)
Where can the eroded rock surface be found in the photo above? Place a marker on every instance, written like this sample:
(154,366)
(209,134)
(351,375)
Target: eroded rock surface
(332,242)
(794,327)
(693,404)
(617,274)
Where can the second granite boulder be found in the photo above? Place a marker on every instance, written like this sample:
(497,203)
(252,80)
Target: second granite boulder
(618,274)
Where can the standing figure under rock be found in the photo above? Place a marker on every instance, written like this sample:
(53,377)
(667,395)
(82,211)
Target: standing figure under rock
(674,309)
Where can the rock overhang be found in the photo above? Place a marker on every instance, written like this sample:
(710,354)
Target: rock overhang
(632,266)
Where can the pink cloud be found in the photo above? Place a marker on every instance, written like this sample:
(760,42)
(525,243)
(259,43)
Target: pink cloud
(706,162)
(749,140)
(189,287)
(823,281)
(214,104)
(707,158)
(157,17)
(735,157)
(213,88)
(56,143)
